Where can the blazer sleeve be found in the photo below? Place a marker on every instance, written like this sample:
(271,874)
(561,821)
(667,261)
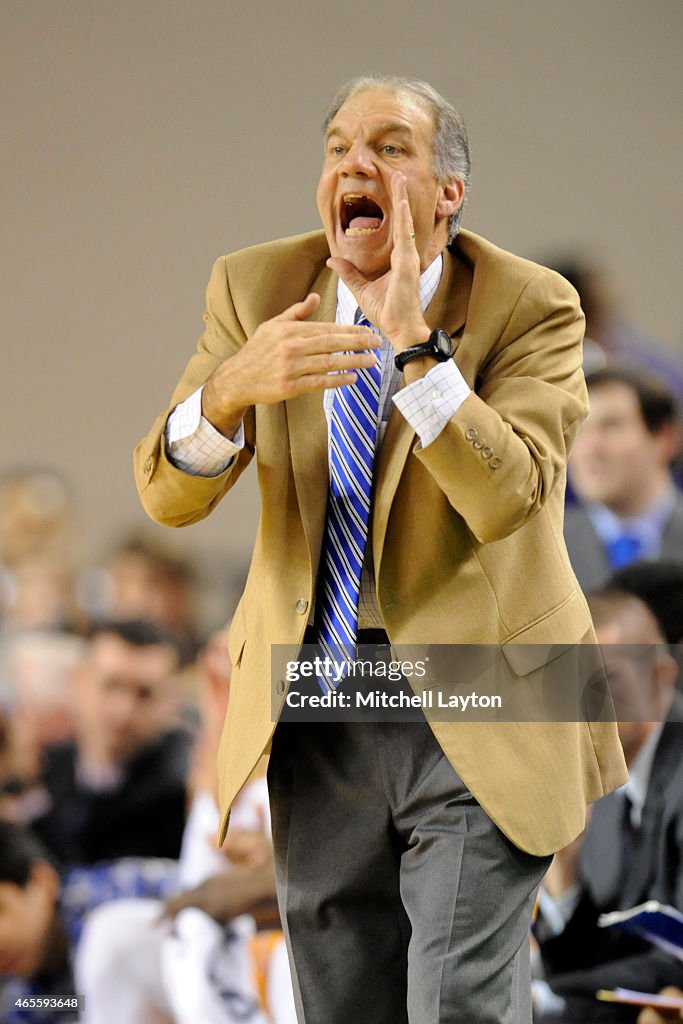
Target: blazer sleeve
(169,495)
(506,447)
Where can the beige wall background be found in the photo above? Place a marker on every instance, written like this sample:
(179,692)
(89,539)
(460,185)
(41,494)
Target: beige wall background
(142,138)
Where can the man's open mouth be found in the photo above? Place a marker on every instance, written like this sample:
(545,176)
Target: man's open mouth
(360,215)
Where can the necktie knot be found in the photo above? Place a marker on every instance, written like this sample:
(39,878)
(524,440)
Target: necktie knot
(626,548)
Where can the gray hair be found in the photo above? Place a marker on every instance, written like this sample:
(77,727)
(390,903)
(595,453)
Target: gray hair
(451,151)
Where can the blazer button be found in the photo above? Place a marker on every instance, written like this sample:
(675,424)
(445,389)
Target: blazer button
(280,687)
(478,444)
(486,453)
(495,462)
(148,466)
(301,606)
(471,433)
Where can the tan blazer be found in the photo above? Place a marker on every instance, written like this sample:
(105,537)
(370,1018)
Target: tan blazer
(466,534)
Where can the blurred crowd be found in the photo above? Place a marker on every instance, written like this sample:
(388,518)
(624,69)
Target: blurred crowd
(624,533)
(112,694)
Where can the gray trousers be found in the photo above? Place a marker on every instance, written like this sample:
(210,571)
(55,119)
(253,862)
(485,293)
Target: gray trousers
(401,901)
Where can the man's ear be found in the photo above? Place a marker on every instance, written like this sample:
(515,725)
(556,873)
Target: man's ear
(665,672)
(668,442)
(451,199)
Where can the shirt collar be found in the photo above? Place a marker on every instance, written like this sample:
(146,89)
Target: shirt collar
(647,526)
(429,282)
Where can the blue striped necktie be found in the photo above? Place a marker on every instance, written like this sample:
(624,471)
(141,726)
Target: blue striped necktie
(353,434)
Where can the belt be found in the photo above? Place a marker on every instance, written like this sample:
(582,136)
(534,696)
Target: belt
(366,637)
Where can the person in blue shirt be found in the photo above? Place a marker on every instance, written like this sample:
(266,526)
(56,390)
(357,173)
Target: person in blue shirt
(629,507)
(42,913)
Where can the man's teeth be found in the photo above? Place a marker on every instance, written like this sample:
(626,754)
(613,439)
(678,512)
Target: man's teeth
(361,215)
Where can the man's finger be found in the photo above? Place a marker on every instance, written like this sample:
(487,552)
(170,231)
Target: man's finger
(301,310)
(404,231)
(362,339)
(336,362)
(325,381)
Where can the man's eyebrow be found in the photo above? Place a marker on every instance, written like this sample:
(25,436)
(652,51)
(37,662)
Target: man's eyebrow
(386,128)
(393,126)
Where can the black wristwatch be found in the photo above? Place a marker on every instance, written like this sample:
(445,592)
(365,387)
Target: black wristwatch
(439,347)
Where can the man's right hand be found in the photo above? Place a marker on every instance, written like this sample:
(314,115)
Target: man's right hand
(285,357)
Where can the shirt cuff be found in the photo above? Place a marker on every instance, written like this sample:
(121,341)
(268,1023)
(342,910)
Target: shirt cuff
(194,445)
(556,910)
(544,1001)
(430,402)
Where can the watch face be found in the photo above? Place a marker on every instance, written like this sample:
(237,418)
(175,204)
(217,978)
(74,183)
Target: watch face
(442,344)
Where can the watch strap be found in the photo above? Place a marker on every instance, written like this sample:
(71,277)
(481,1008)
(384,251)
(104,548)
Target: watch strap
(426,348)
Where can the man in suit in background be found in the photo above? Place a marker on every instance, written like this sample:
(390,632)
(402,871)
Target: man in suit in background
(440,435)
(660,585)
(632,850)
(119,789)
(629,507)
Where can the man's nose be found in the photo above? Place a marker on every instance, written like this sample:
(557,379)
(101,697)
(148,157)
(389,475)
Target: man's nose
(123,709)
(358,161)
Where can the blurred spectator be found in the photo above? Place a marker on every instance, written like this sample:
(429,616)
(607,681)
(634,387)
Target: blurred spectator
(218,954)
(37,514)
(143,578)
(202,959)
(40,593)
(609,339)
(37,558)
(119,789)
(660,586)
(21,794)
(632,849)
(44,586)
(9,762)
(42,915)
(37,669)
(629,507)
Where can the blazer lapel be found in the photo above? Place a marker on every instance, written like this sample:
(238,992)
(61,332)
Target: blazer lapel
(307,429)
(448,309)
